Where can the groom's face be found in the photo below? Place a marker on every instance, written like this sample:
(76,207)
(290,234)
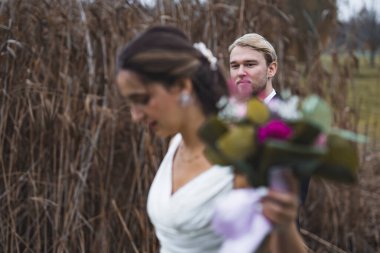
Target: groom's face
(248,69)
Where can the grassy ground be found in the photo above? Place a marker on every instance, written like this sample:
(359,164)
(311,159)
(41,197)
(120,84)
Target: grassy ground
(366,93)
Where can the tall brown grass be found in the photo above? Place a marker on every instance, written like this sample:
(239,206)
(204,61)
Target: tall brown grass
(75,171)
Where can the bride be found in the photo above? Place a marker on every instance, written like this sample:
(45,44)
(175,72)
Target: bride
(172,88)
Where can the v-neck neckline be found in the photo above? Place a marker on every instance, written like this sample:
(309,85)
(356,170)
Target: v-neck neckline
(170,171)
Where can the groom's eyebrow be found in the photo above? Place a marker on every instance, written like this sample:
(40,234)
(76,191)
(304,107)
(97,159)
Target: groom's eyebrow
(244,62)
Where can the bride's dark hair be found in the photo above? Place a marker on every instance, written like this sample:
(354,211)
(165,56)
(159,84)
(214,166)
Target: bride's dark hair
(165,54)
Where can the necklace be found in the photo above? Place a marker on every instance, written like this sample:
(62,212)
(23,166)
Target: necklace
(188,158)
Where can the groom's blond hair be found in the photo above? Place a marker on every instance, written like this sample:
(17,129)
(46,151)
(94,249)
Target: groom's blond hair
(258,43)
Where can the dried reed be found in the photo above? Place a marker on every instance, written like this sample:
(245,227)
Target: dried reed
(75,171)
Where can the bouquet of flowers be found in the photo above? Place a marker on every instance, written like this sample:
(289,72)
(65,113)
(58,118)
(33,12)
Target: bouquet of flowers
(254,137)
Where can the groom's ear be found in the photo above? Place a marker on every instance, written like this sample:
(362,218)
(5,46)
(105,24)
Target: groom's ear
(272,69)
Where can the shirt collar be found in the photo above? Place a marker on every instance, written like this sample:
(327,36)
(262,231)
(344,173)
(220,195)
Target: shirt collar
(269,97)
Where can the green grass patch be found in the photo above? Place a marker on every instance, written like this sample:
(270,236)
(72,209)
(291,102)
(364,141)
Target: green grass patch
(364,92)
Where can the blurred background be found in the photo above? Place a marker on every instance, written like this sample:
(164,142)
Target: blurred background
(74,170)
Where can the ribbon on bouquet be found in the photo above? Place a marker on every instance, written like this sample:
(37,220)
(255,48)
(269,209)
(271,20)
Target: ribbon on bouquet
(238,216)
(239,220)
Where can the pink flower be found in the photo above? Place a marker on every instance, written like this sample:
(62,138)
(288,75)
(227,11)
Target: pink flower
(233,109)
(321,140)
(275,129)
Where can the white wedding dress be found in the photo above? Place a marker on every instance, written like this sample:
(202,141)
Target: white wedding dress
(183,220)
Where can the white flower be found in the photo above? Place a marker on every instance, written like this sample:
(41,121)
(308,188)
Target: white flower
(233,110)
(286,109)
(201,47)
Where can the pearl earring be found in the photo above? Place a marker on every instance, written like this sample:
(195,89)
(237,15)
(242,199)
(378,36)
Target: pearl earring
(185,99)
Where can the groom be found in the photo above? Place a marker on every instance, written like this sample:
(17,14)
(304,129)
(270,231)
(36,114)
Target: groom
(253,65)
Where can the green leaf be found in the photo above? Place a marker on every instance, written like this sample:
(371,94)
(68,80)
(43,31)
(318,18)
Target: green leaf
(255,178)
(299,157)
(257,111)
(238,143)
(306,168)
(316,111)
(212,129)
(348,135)
(304,132)
(341,161)
(335,173)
